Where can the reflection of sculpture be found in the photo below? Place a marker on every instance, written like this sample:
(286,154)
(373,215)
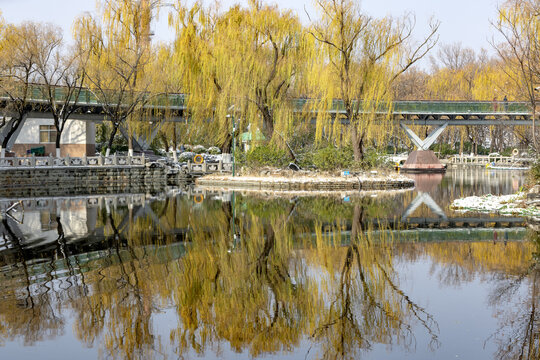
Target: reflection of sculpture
(424,183)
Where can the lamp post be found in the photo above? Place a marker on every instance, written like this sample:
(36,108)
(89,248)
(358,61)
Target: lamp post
(231,108)
(233,142)
(233,145)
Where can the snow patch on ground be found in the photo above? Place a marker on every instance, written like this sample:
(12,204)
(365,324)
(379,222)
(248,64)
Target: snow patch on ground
(504,205)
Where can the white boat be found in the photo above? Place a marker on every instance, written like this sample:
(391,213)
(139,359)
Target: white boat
(492,167)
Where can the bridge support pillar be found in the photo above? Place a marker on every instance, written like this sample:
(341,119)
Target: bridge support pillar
(423,159)
(428,141)
(140,143)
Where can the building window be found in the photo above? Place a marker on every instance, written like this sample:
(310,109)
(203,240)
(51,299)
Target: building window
(48,221)
(47,133)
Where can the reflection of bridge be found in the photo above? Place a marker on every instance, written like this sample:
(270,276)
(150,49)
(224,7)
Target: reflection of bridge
(461,222)
(54,238)
(406,221)
(64,230)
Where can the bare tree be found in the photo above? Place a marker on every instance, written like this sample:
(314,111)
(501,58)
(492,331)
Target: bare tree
(61,76)
(18,56)
(453,57)
(518,24)
(364,56)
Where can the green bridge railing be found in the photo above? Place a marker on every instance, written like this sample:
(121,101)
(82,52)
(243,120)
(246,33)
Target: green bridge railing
(178,101)
(433,107)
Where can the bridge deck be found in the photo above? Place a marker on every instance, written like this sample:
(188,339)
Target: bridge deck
(428,107)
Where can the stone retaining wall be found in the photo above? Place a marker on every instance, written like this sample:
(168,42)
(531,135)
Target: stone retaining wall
(75,180)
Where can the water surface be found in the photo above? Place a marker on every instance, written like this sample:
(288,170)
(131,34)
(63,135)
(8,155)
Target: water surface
(194,274)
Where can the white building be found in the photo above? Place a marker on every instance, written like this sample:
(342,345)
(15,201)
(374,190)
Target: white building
(78,138)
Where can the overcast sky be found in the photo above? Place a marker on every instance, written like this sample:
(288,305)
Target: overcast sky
(465,21)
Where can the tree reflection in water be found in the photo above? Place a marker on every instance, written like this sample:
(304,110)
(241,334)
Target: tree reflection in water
(367,304)
(519,334)
(259,275)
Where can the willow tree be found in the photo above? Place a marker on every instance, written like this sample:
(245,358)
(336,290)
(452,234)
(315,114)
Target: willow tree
(195,68)
(169,88)
(241,63)
(519,24)
(361,57)
(119,53)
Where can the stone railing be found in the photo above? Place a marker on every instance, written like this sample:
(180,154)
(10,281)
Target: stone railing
(50,161)
(207,168)
(56,202)
(487,159)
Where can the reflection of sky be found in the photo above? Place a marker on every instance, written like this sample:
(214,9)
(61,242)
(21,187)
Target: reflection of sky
(66,346)
(465,321)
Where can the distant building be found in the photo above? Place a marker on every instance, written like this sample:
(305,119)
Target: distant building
(78,138)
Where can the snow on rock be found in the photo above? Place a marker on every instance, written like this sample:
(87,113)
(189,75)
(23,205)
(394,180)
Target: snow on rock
(504,205)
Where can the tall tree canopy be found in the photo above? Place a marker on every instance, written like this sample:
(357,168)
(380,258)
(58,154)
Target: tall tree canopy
(242,63)
(519,24)
(22,47)
(362,56)
(120,54)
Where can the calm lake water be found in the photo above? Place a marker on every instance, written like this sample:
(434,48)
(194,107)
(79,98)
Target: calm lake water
(193,274)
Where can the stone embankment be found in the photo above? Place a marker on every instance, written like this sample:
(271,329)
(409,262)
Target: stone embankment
(87,179)
(307,182)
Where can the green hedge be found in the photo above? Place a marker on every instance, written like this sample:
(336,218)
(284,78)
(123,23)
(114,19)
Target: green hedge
(332,158)
(267,155)
(328,158)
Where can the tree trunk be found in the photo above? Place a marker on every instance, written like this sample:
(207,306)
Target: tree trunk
(357,144)
(534,127)
(268,123)
(165,142)
(11,131)
(111,138)
(174,139)
(491,138)
(57,142)
(227,145)
(460,141)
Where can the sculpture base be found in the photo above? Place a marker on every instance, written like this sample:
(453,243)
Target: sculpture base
(421,161)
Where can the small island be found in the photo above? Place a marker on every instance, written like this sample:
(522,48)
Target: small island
(310,181)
